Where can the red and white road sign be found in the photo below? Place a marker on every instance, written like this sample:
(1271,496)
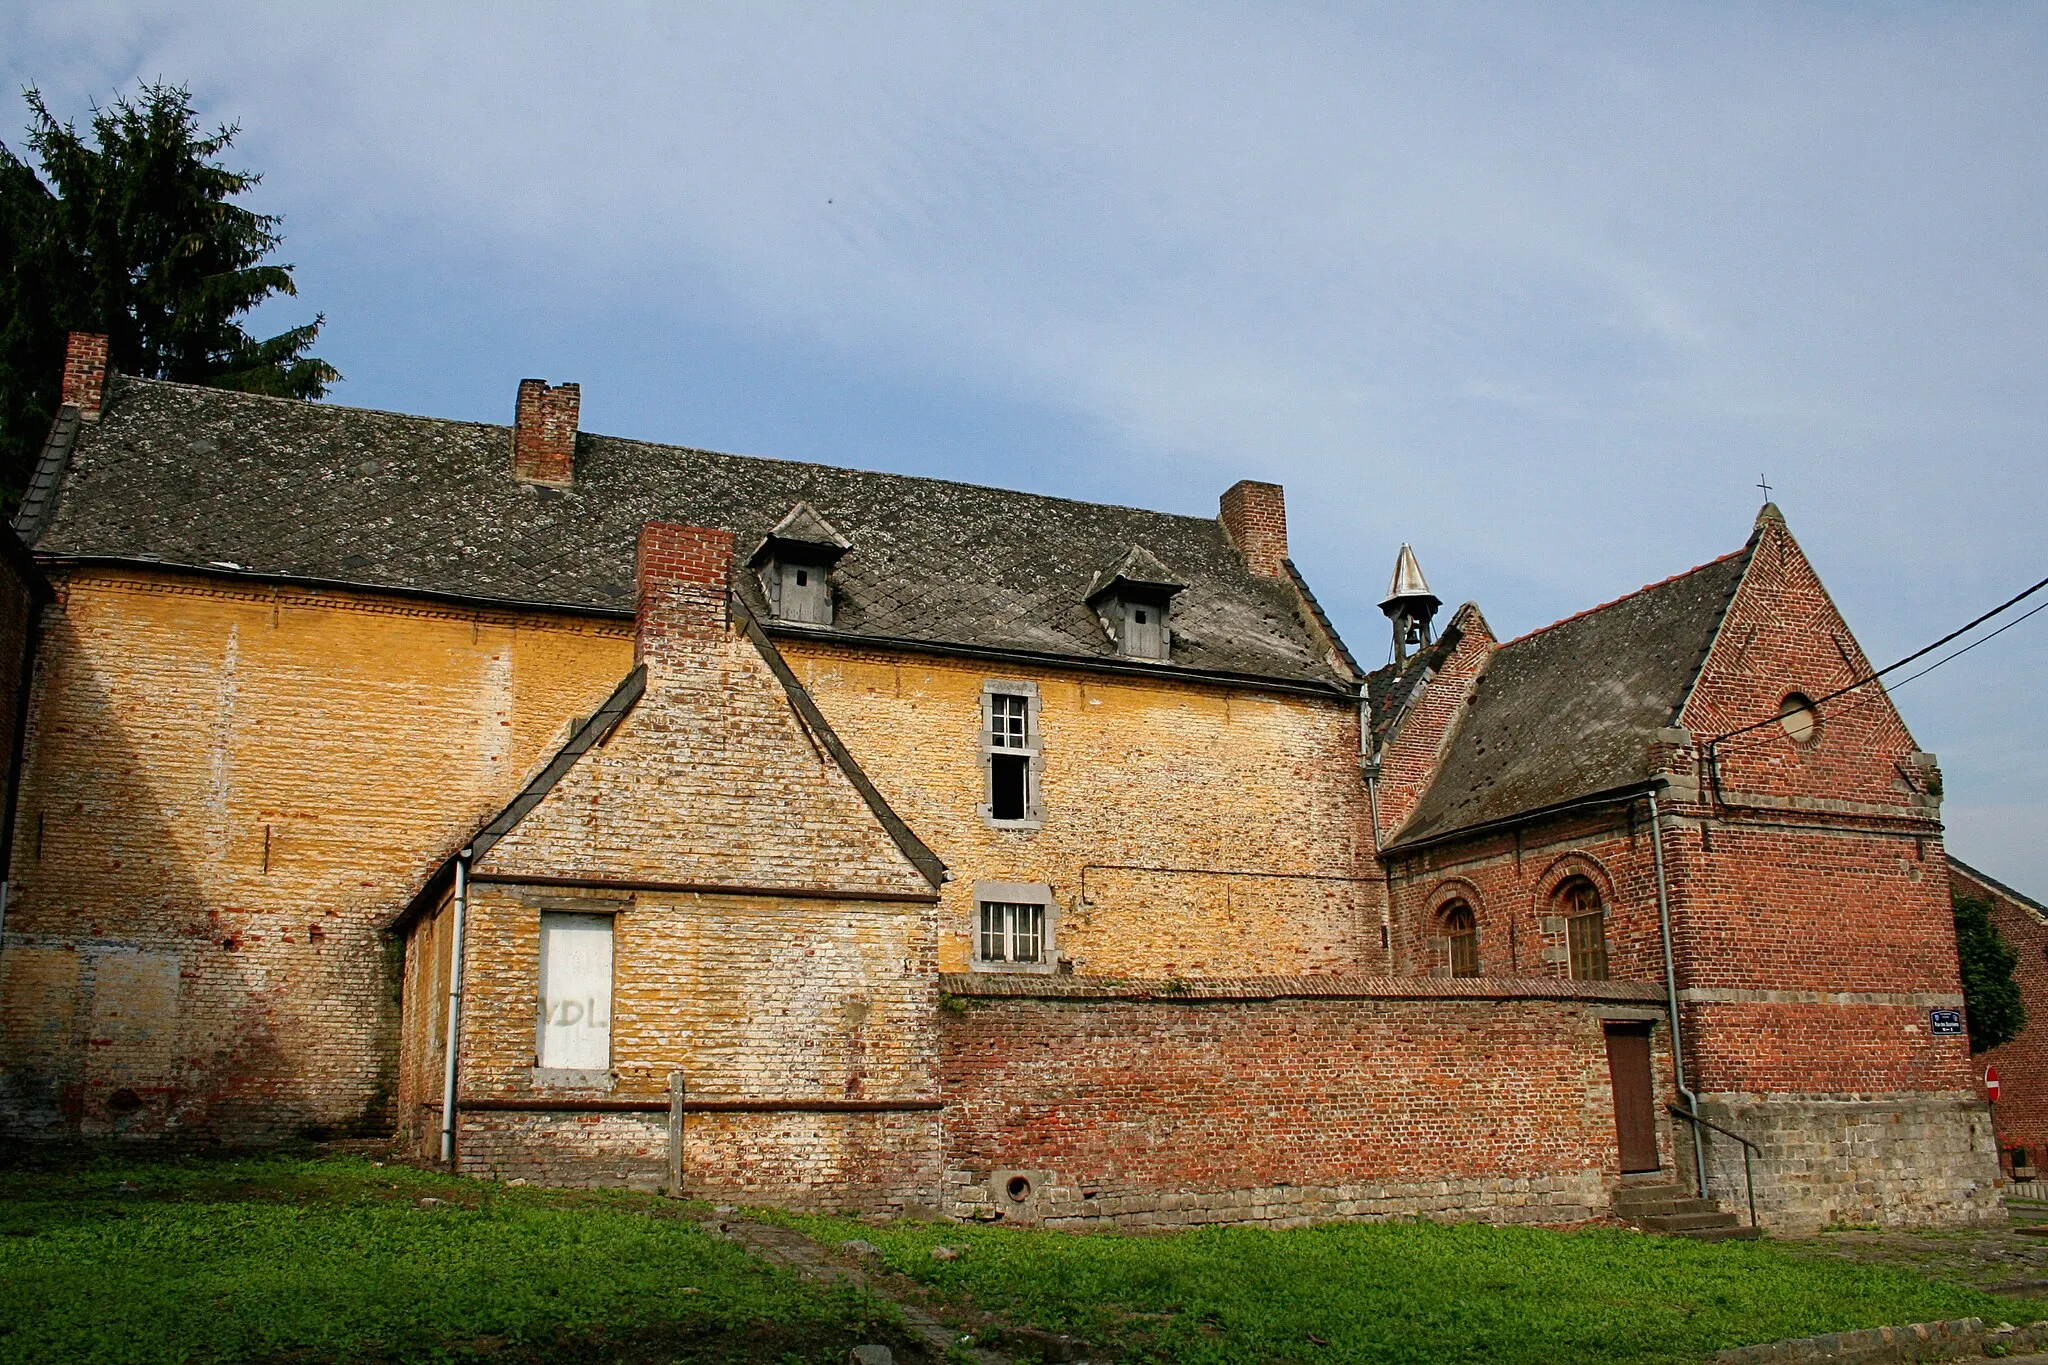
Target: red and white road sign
(1991,1083)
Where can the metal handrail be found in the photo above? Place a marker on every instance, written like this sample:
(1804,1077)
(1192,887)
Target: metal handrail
(1748,1147)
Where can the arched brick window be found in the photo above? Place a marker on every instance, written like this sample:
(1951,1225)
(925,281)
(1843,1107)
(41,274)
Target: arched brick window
(1585,928)
(1462,929)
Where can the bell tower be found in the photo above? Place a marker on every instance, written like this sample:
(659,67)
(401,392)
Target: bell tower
(1409,604)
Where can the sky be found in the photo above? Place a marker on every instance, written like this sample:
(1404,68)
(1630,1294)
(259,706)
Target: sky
(1546,290)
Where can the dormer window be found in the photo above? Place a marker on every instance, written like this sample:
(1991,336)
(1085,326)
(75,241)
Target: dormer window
(799,592)
(795,563)
(1133,599)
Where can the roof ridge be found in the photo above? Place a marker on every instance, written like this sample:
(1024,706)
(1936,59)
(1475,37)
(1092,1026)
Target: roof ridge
(912,478)
(1627,596)
(669,446)
(315,404)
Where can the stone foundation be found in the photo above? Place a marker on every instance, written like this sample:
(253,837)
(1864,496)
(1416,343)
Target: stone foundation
(1565,1197)
(822,1162)
(1913,1161)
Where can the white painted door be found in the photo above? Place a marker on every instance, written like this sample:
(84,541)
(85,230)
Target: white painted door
(576,992)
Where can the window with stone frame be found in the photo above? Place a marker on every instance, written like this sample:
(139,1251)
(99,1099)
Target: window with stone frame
(1461,931)
(1585,928)
(1013,927)
(1010,755)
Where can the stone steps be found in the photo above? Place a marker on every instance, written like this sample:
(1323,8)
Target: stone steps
(1676,1211)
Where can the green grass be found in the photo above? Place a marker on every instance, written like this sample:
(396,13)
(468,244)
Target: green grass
(1406,1292)
(333,1259)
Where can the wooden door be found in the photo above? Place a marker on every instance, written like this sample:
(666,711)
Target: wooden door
(1635,1110)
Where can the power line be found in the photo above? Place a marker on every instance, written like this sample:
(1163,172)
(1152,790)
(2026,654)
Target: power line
(1970,646)
(1874,697)
(1818,702)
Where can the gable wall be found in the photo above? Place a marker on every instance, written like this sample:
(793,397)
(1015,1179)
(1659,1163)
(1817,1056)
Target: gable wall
(1189,830)
(176,720)
(1813,870)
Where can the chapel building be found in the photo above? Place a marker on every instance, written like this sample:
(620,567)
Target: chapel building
(590,810)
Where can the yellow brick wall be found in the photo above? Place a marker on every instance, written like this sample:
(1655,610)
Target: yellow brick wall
(184,730)
(179,725)
(750,997)
(1206,782)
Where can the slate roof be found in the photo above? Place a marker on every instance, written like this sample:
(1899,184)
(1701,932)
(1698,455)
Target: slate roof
(197,477)
(1571,710)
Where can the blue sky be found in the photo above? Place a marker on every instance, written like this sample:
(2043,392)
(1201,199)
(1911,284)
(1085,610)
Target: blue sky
(1541,289)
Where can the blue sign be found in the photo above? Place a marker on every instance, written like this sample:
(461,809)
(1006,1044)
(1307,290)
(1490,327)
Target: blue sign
(1945,1021)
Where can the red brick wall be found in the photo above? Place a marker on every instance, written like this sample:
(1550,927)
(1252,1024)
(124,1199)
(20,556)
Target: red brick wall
(544,432)
(1255,518)
(85,372)
(1783,634)
(1511,881)
(1209,1096)
(1810,905)
(2022,1109)
(1416,745)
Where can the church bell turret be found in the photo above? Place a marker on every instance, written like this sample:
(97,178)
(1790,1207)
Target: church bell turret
(1409,604)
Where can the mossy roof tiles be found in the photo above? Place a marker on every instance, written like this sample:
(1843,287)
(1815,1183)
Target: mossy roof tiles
(196,476)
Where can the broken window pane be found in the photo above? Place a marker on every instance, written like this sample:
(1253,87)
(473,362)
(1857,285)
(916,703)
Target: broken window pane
(1009,782)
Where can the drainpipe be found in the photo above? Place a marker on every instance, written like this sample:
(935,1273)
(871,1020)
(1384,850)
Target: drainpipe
(1372,797)
(454,1010)
(1692,1101)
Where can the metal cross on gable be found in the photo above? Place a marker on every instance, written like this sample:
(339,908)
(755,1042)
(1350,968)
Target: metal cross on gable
(1761,483)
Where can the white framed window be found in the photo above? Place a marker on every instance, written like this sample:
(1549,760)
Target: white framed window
(573,1045)
(1010,755)
(1013,927)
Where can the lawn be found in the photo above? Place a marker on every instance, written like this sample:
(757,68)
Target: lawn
(1406,1292)
(336,1259)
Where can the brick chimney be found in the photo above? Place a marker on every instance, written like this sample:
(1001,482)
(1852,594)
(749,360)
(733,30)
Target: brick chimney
(683,575)
(85,373)
(1255,518)
(544,433)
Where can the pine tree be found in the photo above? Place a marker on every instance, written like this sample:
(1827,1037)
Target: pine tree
(131,230)
(1990,994)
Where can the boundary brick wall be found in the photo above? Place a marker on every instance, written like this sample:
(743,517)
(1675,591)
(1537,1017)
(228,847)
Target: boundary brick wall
(1160,1106)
